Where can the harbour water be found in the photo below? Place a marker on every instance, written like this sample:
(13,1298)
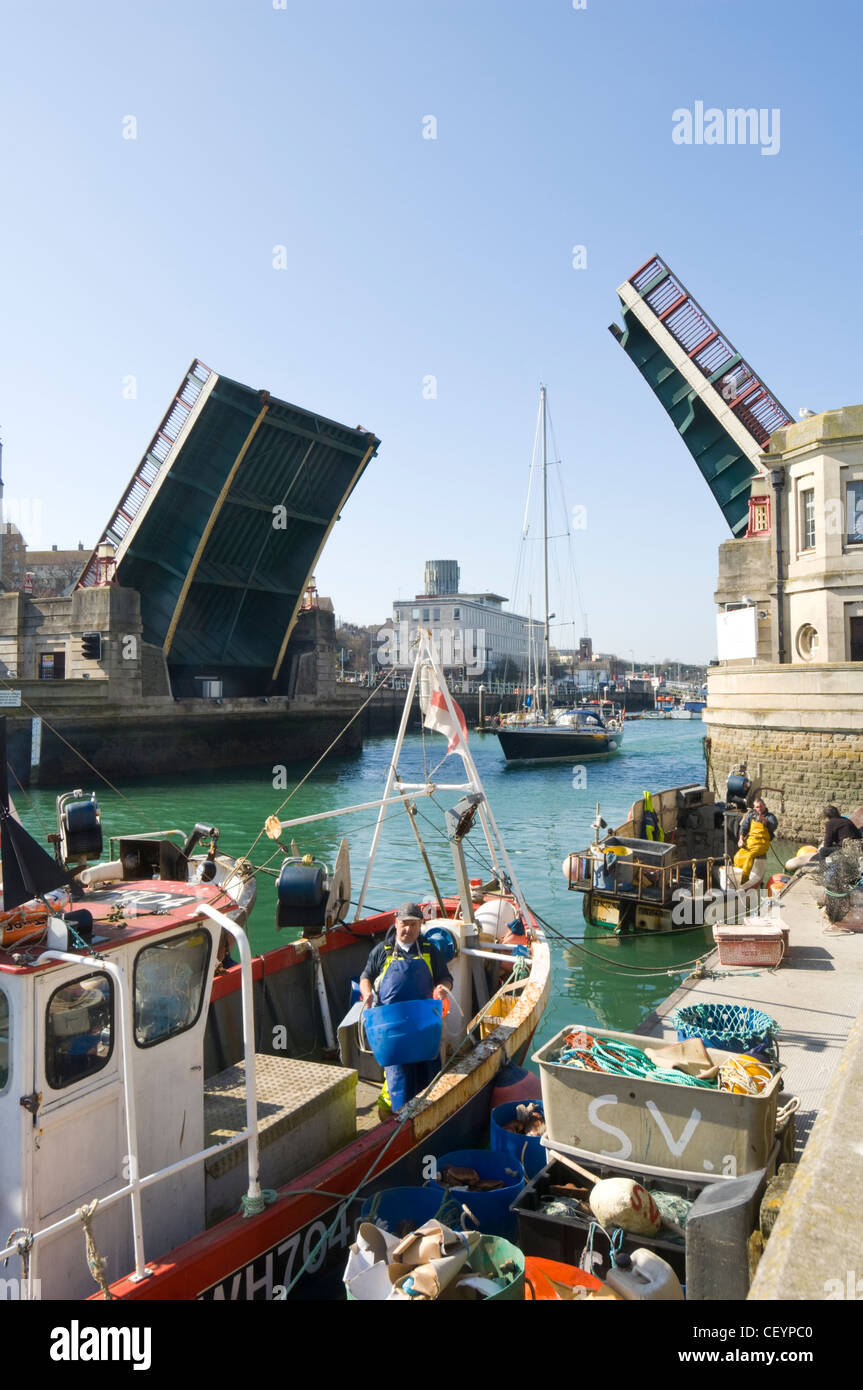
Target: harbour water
(543,813)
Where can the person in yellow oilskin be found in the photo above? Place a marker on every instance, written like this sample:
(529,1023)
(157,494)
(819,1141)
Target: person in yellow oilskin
(756,832)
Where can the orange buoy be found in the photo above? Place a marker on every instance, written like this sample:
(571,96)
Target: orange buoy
(776,883)
(540,1277)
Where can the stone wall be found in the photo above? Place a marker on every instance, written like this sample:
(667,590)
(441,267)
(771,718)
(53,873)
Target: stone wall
(813,769)
(797,728)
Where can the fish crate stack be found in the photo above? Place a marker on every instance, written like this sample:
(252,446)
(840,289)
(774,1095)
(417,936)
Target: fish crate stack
(687,1120)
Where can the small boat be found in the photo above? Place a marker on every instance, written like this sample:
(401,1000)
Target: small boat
(665,867)
(176,1129)
(573,734)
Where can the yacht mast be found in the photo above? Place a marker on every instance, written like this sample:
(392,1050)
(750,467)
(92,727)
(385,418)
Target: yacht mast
(545,543)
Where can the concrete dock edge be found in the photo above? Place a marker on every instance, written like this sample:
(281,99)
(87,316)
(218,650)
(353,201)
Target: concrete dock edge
(815,1251)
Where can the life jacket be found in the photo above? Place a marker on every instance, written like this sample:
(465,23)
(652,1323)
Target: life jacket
(404,978)
(652,827)
(756,846)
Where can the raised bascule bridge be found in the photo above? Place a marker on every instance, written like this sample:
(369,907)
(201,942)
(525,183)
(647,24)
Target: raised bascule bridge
(194,636)
(221,526)
(719,406)
(786,693)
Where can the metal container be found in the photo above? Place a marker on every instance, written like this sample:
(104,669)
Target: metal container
(635,1120)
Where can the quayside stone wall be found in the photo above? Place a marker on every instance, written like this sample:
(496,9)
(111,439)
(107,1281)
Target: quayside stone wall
(798,728)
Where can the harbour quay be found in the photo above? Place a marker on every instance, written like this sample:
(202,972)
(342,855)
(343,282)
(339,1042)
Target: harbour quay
(816,998)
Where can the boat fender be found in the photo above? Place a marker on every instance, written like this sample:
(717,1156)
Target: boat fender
(625,1203)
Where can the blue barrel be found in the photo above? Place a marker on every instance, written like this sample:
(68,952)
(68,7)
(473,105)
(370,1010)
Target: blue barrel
(491,1209)
(505,1142)
(397,1205)
(403,1033)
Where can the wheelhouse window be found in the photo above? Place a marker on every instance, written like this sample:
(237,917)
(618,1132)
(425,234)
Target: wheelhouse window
(5,1042)
(807,519)
(854,514)
(169,987)
(79,1030)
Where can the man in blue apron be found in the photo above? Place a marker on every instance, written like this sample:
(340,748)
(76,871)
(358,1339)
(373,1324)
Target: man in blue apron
(399,970)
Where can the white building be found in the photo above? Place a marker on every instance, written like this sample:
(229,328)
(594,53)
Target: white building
(473,633)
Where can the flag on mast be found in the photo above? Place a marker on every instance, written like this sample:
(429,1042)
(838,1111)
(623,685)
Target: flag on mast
(439,718)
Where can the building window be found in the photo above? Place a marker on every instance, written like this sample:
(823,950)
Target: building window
(807,519)
(456,612)
(854,514)
(435,615)
(79,1030)
(52,666)
(415,614)
(759,516)
(425,615)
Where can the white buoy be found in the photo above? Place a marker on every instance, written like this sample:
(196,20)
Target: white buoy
(625,1203)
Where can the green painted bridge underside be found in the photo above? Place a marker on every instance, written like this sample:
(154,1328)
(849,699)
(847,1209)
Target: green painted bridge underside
(251,572)
(722,463)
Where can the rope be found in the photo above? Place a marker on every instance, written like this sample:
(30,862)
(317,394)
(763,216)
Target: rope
(95,1263)
(620,1059)
(253,1206)
(23,1244)
(317,764)
(633,971)
(6,685)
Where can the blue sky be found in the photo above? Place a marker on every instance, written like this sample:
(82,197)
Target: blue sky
(409,258)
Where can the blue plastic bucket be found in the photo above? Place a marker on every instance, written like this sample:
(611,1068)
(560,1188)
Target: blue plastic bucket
(491,1209)
(504,1141)
(414,1205)
(403,1033)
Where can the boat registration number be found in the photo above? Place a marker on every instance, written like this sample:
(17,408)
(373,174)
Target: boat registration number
(269,1274)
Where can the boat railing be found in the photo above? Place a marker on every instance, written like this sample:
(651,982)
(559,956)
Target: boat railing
(650,882)
(136,1184)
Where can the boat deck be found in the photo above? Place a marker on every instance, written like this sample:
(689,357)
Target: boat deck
(815,997)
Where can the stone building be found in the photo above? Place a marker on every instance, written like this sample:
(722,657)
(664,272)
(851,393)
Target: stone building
(787,695)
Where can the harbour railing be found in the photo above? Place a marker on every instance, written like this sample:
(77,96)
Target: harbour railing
(157,455)
(743,391)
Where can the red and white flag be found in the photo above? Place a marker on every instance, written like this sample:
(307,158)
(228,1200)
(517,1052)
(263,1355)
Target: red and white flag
(439,718)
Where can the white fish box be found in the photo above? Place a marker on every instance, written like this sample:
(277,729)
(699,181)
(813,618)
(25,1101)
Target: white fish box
(634,1120)
(760,945)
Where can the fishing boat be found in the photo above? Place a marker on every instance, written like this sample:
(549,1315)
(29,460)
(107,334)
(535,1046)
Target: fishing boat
(176,1130)
(666,867)
(547,735)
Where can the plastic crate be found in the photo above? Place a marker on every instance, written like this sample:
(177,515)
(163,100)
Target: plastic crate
(758,946)
(632,1120)
(564,1237)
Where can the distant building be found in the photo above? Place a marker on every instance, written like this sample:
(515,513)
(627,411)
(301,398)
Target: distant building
(473,632)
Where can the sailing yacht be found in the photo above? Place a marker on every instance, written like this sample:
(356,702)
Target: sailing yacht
(571,734)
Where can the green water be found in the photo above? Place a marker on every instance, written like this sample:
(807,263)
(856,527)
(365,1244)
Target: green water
(596,979)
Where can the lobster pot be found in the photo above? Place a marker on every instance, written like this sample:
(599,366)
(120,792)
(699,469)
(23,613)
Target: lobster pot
(633,1120)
